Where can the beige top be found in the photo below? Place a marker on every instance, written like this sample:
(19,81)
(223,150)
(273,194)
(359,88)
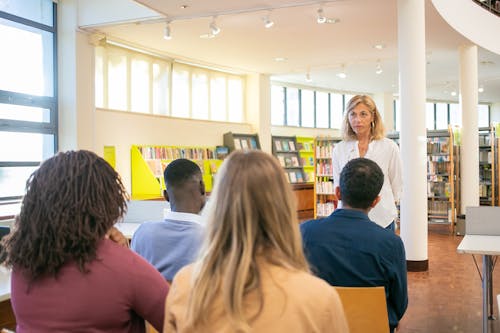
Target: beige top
(294,301)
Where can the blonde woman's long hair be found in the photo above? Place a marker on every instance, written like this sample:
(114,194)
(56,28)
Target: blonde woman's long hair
(251,214)
(377,128)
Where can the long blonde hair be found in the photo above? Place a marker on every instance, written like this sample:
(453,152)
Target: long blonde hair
(377,128)
(251,213)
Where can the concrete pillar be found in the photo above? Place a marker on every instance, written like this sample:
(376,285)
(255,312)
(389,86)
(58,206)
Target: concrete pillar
(411,45)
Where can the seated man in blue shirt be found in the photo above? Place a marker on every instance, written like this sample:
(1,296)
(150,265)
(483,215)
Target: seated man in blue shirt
(348,249)
(173,243)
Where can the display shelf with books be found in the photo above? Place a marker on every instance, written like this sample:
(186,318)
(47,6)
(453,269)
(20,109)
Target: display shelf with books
(487,195)
(235,141)
(325,199)
(442,177)
(305,146)
(149,161)
(285,150)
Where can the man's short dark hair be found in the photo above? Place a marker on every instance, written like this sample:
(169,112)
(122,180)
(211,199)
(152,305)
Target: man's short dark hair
(361,180)
(179,171)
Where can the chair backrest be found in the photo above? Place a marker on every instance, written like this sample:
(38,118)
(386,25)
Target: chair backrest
(365,309)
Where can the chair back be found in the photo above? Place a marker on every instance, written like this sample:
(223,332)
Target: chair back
(365,309)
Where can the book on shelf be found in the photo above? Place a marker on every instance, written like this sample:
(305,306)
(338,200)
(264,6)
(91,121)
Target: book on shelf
(288,161)
(277,144)
(285,146)
(244,144)
(293,177)
(282,160)
(300,179)
(253,143)
(237,143)
(291,145)
(295,161)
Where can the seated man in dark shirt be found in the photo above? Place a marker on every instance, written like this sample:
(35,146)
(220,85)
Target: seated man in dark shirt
(348,249)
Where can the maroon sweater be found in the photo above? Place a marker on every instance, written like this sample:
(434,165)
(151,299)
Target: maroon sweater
(119,292)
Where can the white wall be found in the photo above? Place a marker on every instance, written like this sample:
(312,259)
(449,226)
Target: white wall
(124,129)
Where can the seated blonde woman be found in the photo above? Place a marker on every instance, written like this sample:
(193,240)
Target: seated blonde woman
(252,275)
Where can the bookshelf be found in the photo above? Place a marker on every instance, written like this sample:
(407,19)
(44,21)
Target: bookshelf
(285,149)
(149,161)
(235,141)
(305,145)
(325,199)
(487,189)
(442,177)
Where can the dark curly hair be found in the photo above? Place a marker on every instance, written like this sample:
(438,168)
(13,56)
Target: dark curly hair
(71,201)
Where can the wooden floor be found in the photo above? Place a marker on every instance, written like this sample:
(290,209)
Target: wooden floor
(448,297)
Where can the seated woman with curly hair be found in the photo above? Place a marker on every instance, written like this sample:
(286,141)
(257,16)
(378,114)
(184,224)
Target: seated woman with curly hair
(66,275)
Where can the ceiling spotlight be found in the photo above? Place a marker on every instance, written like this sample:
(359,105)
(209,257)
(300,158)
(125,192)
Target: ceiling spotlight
(214,29)
(342,73)
(378,69)
(481,89)
(379,46)
(321,16)
(267,21)
(308,77)
(453,93)
(167,33)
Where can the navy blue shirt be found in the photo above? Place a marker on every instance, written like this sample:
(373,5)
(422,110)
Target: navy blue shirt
(347,249)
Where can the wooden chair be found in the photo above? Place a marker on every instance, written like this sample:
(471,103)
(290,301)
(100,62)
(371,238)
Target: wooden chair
(365,309)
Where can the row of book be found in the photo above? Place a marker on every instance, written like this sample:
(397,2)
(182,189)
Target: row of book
(438,190)
(485,156)
(324,209)
(157,166)
(305,146)
(324,168)
(245,143)
(284,145)
(290,161)
(324,151)
(324,187)
(295,177)
(439,208)
(438,168)
(438,145)
(172,153)
(485,190)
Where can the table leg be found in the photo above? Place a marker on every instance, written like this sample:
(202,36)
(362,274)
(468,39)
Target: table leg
(485,283)
(490,288)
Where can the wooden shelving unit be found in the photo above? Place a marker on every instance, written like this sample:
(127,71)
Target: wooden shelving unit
(325,199)
(236,141)
(487,166)
(285,149)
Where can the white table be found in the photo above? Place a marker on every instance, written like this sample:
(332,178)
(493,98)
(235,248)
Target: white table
(487,247)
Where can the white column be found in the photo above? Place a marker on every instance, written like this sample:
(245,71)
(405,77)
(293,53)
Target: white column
(469,159)
(411,40)
(76,81)
(259,108)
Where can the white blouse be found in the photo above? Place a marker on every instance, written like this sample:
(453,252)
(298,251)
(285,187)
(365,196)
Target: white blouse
(385,153)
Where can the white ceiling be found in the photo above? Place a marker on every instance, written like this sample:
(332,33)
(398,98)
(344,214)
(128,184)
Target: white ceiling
(244,45)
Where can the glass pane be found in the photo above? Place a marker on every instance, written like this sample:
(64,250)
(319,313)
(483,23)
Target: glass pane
(429,116)
(180,93)
(455,115)
(199,95)
(277,105)
(117,80)
(160,88)
(27,63)
(441,116)
(235,100)
(13,180)
(24,113)
(483,113)
(218,98)
(336,110)
(35,10)
(139,85)
(307,108)
(292,106)
(322,110)
(347,98)
(397,113)
(29,147)
(99,77)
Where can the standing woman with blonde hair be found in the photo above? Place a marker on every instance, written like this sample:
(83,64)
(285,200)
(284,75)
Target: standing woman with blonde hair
(252,275)
(363,136)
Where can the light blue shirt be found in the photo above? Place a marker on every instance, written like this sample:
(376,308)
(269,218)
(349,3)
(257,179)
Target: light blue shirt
(171,244)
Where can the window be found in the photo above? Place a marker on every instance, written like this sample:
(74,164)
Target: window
(455,115)
(441,116)
(483,113)
(429,116)
(128,80)
(292,106)
(307,108)
(28,107)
